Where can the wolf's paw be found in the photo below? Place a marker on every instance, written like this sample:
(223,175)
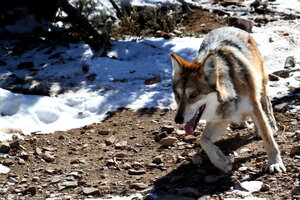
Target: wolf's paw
(222,162)
(275,167)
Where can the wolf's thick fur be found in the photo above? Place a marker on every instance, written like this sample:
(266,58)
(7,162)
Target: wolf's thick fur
(225,83)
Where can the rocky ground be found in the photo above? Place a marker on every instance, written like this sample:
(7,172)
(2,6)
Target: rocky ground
(145,151)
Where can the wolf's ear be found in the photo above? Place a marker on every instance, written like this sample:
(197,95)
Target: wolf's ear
(178,64)
(210,69)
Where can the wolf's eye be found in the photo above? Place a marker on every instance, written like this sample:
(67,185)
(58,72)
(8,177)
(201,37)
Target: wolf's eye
(193,96)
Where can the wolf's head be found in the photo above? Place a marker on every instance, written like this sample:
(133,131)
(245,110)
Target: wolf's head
(195,86)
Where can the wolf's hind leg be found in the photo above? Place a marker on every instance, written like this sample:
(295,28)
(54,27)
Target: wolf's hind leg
(211,133)
(261,122)
(267,107)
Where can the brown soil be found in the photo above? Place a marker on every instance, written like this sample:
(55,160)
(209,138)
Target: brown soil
(83,155)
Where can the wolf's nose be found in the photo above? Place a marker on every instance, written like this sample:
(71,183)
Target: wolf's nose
(179,119)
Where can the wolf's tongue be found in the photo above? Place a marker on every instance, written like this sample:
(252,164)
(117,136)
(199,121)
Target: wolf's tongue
(189,126)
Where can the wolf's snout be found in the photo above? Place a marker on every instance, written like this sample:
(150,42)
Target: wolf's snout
(179,119)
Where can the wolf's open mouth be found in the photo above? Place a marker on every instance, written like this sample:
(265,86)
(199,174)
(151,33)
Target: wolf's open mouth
(192,124)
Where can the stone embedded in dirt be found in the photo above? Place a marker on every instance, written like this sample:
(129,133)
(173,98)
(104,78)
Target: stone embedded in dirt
(110,140)
(69,184)
(189,191)
(26,65)
(49,148)
(121,145)
(175,197)
(120,155)
(136,172)
(8,162)
(212,178)
(282,73)
(290,62)
(273,77)
(167,141)
(55,180)
(138,186)
(190,138)
(160,136)
(180,132)
(226,3)
(241,23)
(48,157)
(24,155)
(4,169)
(103,132)
(168,129)
(281,107)
(14,144)
(90,191)
(38,151)
(153,80)
(21,161)
(295,150)
(242,169)
(251,186)
(50,171)
(265,187)
(157,160)
(4,147)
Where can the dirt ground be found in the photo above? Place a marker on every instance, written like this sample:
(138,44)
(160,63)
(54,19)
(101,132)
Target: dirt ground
(122,156)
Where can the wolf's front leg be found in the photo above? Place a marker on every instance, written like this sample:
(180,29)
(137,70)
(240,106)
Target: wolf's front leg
(212,131)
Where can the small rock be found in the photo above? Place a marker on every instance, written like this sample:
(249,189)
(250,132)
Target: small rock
(252,186)
(103,132)
(189,191)
(226,3)
(24,155)
(168,141)
(290,62)
(168,129)
(8,162)
(157,160)
(14,144)
(242,169)
(282,73)
(90,191)
(21,161)
(190,138)
(138,186)
(26,65)
(273,77)
(48,157)
(111,140)
(38,151)
(136,172)
(4,147)
(120,155)
(55,180)
(4,169)
(241,23)
(153,80)
(160,136)
(121,145)
(69,184)
(295,150)
(265,187)
(281,107)
(85,68)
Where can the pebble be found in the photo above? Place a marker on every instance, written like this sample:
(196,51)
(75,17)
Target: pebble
(290,62)
(14,144)
(4,169)
(24,155)
(273,77)
(103,132)
(69,184)
(168,141)
(252,186)
(121,145)
(190,138)
(55,180)
(160,136)
(211,178)
(295,150)
(21,161)
(4,147)
(242,169)
(168,129)
(138,186)
(157,160)
(282,73)
(48,157)
(120,155)
(189,191)
(110,140)
(153,80)
(50,171)
(90,191)
(136,172)
(38,151)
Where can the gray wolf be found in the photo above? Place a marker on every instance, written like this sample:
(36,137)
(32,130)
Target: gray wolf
(225,83)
